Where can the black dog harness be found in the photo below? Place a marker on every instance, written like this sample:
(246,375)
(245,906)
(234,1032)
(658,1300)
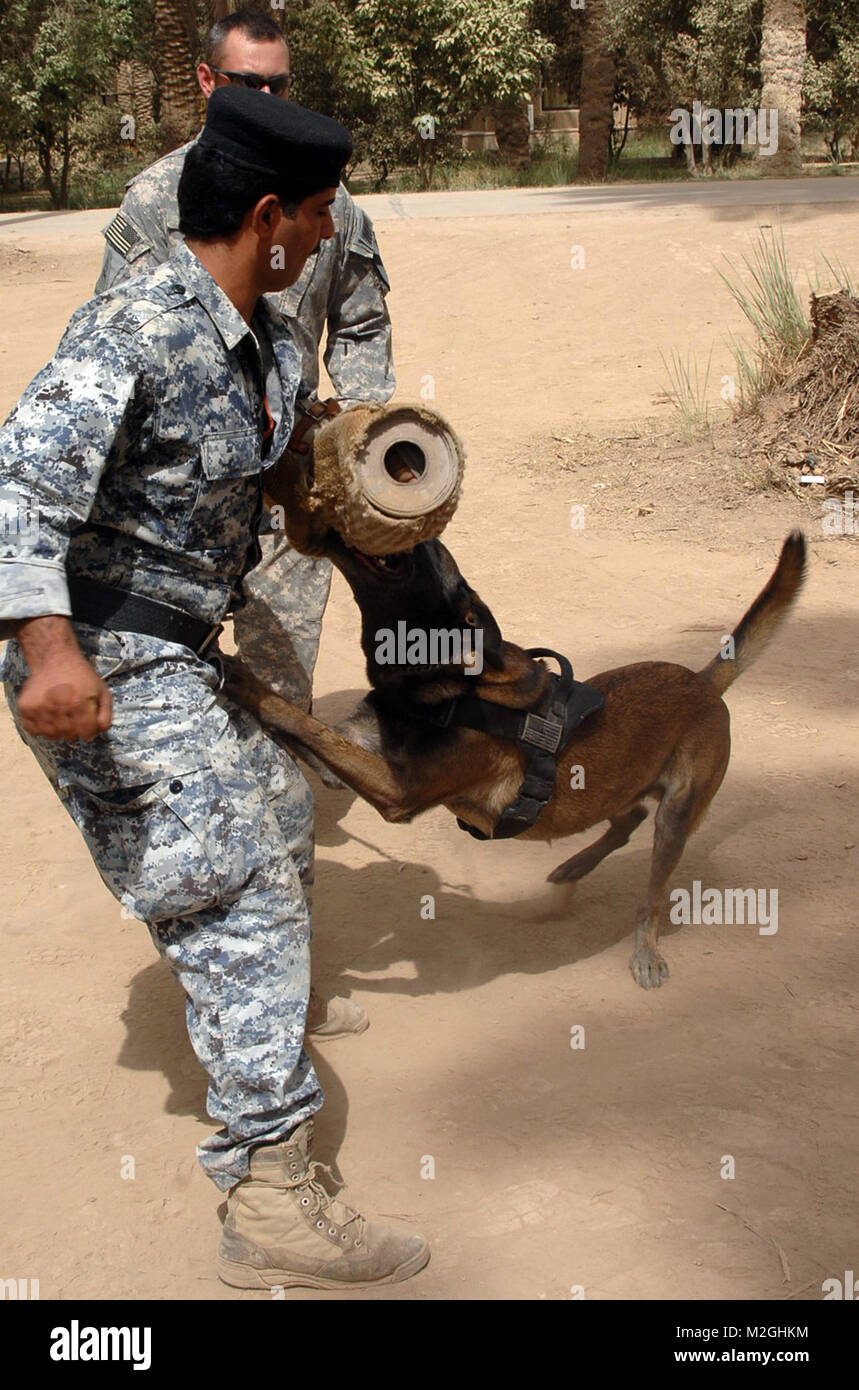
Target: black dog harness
(541,733)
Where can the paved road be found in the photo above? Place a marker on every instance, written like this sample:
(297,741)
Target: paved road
(503,202)
(506,202)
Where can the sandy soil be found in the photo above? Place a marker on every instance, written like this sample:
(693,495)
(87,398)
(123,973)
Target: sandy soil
(555,1168)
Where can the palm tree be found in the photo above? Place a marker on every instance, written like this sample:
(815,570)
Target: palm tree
(134,88)
(782,70)
(176,49)
(596,114)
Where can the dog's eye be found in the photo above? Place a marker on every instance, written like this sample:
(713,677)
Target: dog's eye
(471,619)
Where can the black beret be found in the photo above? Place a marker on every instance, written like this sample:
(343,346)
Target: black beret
(304,151)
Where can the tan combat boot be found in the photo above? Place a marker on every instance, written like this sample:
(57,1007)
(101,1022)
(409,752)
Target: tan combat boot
(329,1019)
(283,1228)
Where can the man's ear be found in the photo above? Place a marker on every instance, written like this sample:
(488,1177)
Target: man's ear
(266,216)
(263,219)
(206,79)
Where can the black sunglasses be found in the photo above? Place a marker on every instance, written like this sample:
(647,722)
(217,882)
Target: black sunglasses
(276,85)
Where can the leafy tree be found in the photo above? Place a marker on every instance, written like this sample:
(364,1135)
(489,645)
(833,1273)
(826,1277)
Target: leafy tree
(56,54)
(674,52)
(333,72)
(562,25)
(831,89)
(430,63)
(15,137)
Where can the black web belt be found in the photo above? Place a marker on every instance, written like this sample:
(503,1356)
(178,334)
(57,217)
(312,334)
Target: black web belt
(101,605)
(541,733)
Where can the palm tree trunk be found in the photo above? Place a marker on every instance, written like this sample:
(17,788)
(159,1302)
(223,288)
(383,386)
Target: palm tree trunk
(596,115)
(782,69)
(141,95)
(176,47)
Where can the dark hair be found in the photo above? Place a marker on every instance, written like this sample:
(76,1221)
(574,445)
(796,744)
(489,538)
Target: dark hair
(254,25)
(215,194)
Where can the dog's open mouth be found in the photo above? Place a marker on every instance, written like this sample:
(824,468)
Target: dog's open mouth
(399,566)
(385,566)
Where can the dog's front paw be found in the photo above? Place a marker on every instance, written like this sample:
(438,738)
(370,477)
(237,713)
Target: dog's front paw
(648,967)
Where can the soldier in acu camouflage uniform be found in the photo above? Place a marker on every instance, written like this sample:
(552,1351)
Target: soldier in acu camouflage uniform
(342,288)
(136,458)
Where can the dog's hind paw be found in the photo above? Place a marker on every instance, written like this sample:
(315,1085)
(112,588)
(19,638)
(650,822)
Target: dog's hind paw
(648,967)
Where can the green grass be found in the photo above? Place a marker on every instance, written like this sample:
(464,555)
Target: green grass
(27,201)
(477,170)
(769,300)
(838,274)
(103,189)
(689,391)
(647,157)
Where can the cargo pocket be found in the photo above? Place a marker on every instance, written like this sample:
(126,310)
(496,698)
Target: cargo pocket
(153,843)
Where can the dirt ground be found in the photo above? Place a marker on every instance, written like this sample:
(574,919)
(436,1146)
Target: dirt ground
(555,1168)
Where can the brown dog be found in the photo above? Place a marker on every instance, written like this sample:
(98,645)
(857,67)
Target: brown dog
(663,732)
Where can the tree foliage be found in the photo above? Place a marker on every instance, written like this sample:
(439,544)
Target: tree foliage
(396,70)
(57,55)
(404,75)
(832,74)
(674,52)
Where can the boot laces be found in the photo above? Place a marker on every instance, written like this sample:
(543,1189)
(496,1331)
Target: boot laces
(327,1205)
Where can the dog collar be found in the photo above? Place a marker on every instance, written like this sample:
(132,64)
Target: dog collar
(541,733)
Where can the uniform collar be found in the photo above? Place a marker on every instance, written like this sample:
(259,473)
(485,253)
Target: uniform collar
(220,308)
(282,382)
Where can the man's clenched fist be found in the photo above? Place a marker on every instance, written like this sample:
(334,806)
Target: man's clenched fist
(63,698)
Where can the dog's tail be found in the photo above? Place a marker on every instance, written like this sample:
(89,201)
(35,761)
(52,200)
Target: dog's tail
(763,618)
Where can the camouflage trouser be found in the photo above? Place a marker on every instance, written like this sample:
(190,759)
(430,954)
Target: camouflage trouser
(201,826)
(277,631)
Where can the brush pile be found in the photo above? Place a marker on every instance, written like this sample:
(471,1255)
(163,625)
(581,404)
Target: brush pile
(811,423)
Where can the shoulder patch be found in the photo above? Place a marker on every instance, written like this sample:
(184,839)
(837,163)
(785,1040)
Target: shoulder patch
(121,234)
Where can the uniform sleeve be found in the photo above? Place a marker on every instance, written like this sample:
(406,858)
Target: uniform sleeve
(74,420)
(114,269)
(358,353)
(137,240)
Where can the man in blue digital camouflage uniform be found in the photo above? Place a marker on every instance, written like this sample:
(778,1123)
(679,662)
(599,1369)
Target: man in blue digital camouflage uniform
(341,291)
(133,466)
